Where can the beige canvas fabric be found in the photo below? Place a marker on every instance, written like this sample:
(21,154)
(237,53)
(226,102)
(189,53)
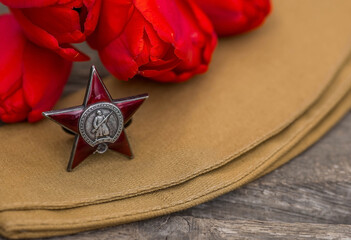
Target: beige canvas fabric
(268,95)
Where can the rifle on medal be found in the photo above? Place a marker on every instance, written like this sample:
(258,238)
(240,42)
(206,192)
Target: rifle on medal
(102,122)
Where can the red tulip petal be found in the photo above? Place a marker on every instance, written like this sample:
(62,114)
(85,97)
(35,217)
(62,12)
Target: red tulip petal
(91,20)
(113,18)
(44,39)
(174,22)
(154,12)
(158,67)
(163,40)
(61,22)
(118,60)
(169,19)
(144,55)
(35,3)
(32,77)
(235,16)
(159,48)
(133,34)
(44,75)
(12,43)
(121,57)
(14,108)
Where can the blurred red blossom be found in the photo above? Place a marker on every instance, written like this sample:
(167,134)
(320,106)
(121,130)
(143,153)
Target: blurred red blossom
(55,24)
(230,17)
(32,77)
(168,41)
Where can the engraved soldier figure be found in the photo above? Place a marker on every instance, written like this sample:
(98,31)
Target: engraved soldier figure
(100,126)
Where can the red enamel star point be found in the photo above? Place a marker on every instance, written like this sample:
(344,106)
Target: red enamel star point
(99,123)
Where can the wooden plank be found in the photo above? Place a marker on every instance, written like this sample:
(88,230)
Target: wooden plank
(177,227)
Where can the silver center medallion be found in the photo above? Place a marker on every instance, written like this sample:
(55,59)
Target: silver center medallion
(101,123)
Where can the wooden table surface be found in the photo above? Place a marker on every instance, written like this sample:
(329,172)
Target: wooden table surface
(308,198)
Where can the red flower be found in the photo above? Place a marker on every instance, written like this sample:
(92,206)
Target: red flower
(231,17)
(55,24)
(32,78)
(164,40)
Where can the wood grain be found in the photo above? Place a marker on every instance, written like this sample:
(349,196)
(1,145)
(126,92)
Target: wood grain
(175,228)
(308,198)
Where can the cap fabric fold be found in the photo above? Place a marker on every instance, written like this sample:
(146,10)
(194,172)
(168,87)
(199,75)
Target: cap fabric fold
(269,95)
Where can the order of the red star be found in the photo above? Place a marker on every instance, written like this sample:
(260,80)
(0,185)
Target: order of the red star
(96,93)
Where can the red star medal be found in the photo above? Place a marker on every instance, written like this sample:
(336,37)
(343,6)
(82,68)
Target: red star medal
(99,123)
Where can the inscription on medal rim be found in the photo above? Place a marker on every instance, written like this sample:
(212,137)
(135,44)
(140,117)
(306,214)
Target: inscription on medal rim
(101,123)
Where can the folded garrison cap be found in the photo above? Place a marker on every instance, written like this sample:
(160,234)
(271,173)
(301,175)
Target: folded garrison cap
(268,95)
